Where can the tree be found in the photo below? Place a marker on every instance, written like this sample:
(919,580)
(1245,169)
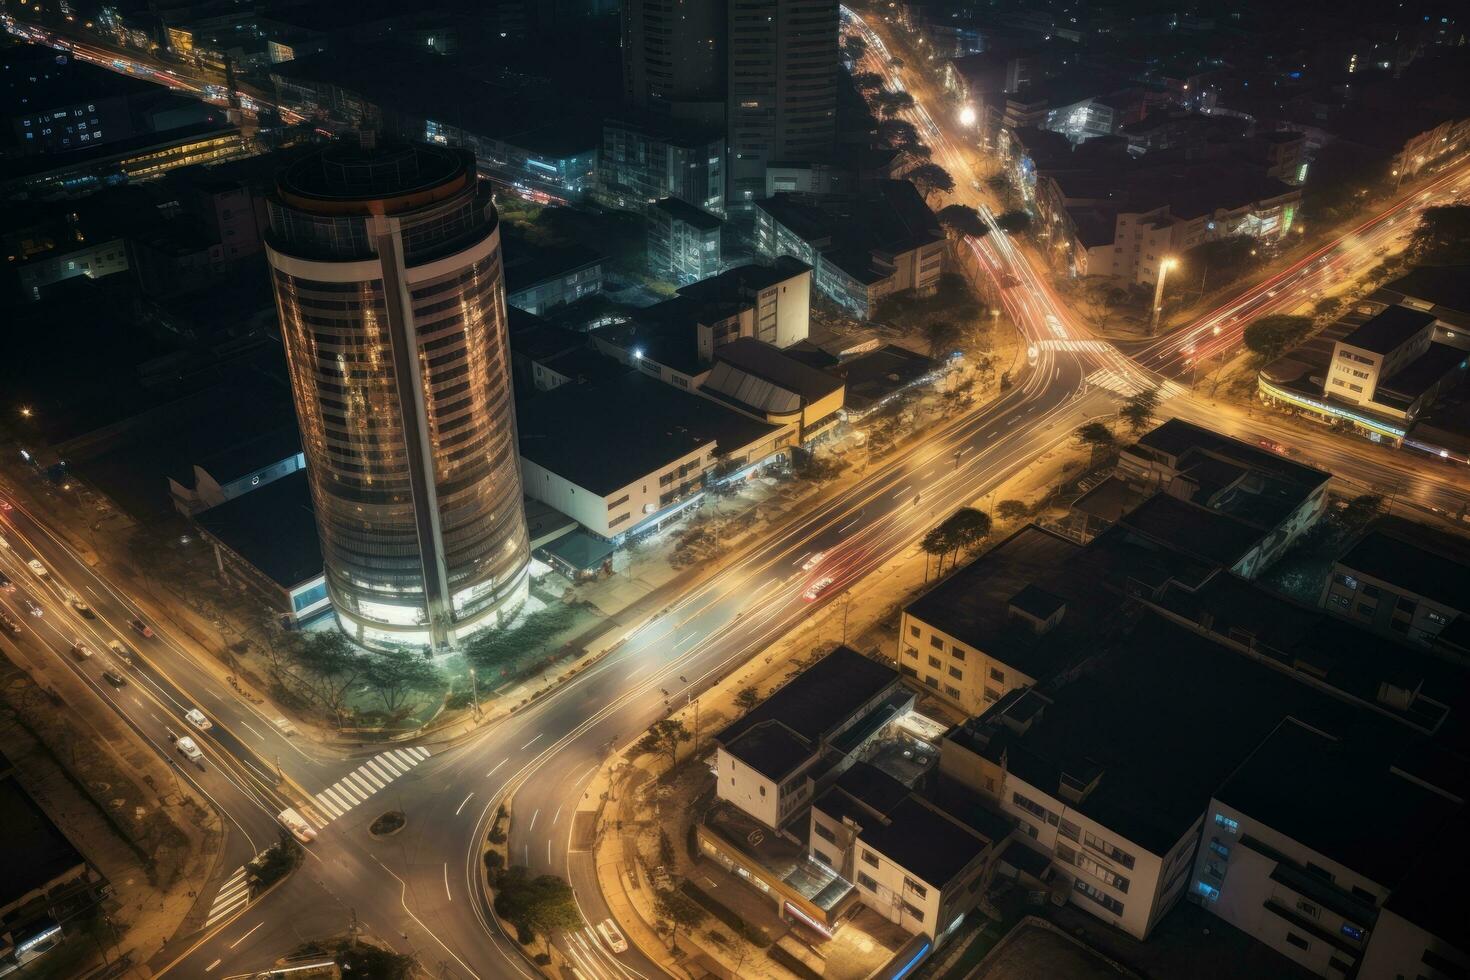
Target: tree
(916,154)
(1098,437)
(535,905)
(1340,179)
(393,677)
(677,912)
(747,697)
(1011,510)
(898,133)
(941,336)
(663,738)
(1222,261)
(1013,222)
(1442,236)
(968,527)
(330,667)
(867,81)
(854,47)
(895,63)
(891,104)
(1138,411)
(1271,336)
(938,542)
(962,220)
(930,177)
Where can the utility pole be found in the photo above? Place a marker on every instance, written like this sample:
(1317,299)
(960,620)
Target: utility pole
(1164,267)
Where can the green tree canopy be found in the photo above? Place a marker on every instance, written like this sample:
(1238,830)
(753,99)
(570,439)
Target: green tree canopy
(1271,336)
(395,677)
(930,177)
(1014,222)
(962,220)
(663,738)
(1139,410)
(1442,236)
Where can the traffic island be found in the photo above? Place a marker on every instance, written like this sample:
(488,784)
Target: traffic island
(387,824)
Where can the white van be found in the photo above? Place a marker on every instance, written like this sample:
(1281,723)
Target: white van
(608,930)
(196,718)
(189,750)
(296,823)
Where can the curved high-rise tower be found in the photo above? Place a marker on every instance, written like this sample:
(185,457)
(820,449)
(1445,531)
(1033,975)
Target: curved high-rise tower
(387,273)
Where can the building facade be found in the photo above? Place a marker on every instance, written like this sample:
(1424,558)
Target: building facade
(683,242)
(782,99)
(643,161)
(674,58)
(387,272)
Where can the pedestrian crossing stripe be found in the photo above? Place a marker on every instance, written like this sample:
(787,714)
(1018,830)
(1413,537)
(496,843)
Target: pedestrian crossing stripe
(1077,346)
(361,784)
(1128,385)
(233,896)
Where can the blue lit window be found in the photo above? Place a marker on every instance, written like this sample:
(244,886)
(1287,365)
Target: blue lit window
(1221,849)
(1207,890)
(1228,825)
(1352,932)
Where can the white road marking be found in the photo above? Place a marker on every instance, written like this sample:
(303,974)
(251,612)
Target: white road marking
(532,742)
(246,724)
(493,768)
(555,817)
(247,935)
(461,806)
(211,966)
(446,883)
(533,820)
(367,774)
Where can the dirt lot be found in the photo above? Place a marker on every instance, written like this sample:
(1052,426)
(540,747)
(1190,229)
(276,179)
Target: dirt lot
(1035,951)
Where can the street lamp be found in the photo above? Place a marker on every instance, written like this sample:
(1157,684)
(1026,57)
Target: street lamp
(1164,267)
(967,116)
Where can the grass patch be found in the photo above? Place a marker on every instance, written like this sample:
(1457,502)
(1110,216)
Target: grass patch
(388,823)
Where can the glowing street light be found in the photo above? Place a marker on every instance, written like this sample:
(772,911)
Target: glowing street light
(967,116)
(1168,263)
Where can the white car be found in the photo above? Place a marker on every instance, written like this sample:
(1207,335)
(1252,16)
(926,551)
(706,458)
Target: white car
(300,829)
(813,561)
(608,930)
(37,569)
(817,588)
(189,750)
(121,652)
(196,718)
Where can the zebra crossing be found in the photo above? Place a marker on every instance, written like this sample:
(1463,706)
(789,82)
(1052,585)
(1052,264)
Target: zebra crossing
(1129,385)
(355,787)
(1077,346)
(233,896)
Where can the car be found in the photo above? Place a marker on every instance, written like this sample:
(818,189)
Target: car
(817,588)
(4,543)
(294,822)
(114,678)
(608,930)
(81,607)
(196,718)
(10,626)
(5,504)
(121,652)
(31,607)
(5,584)
(1008,281)
(140,627)
(37,569)
(80,650)
(813,561)
(188,749)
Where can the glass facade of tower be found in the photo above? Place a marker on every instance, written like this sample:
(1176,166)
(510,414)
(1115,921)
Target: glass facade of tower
(387,274)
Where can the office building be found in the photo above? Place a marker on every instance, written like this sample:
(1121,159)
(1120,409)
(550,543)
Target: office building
(1393,366)
(862,249)
(782,93)
(387,271)
(760,380)
(674,58)
(645,159)
(683,241)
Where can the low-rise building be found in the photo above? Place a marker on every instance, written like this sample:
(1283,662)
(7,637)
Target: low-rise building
(539,278)
(48,883)
(1440,290)
(623,456)
(1399,581)
(861,249)
(911,860)
(683,241)
(1227,502)
(770,762)
(759,380)
(1279,862)
(1392,365)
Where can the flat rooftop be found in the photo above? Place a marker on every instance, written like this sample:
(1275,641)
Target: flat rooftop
(1123,718)
(1300,783)
(36,851)
(1446,286)
(974,604)
(683,211)
(604,436)
(1397,552)
(818,700)
(1389,329)
(769,364)
(273,528)
(1196,530)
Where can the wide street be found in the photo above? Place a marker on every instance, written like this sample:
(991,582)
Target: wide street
(420,890)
